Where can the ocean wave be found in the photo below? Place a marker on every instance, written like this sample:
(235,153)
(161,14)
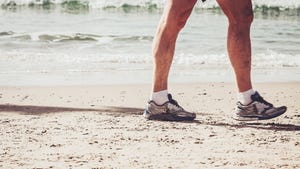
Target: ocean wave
(72,37)
(267,59)
(65,38)
(6,33)
(143,4)
(82,57)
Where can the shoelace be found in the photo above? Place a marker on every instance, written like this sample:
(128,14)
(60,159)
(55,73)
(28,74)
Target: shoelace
(172,101)
(261,100)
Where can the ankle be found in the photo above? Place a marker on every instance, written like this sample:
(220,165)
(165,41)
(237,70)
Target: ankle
(160,97)
(245,97)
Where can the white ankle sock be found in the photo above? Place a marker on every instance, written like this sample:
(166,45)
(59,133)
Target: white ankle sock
(160,97)
(245,97)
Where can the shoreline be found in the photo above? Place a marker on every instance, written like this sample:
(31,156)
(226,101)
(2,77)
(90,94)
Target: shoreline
(179,74)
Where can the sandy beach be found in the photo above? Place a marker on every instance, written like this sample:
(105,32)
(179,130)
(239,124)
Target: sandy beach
(102,127)
(75,78)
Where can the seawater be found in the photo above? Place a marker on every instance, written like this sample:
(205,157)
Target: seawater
(105,42)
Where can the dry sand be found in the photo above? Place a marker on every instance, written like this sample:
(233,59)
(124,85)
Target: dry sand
(102,127)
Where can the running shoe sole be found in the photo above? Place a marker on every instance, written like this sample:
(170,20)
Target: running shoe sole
(281,111)
(166,117)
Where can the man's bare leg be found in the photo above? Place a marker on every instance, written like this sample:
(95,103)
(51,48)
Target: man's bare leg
(175,15)
(161,105)
(240,16)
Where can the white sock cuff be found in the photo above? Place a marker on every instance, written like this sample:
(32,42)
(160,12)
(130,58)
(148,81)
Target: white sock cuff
(160,97)
(245,97)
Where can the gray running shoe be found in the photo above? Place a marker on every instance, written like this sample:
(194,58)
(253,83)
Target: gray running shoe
(169,111)
(258,109)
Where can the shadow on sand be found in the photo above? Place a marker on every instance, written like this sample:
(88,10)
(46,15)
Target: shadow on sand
(38,110)
(256,125)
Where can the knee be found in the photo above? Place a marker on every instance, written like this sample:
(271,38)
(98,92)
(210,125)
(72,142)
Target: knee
(182,17)
(243,19)
(179,15)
